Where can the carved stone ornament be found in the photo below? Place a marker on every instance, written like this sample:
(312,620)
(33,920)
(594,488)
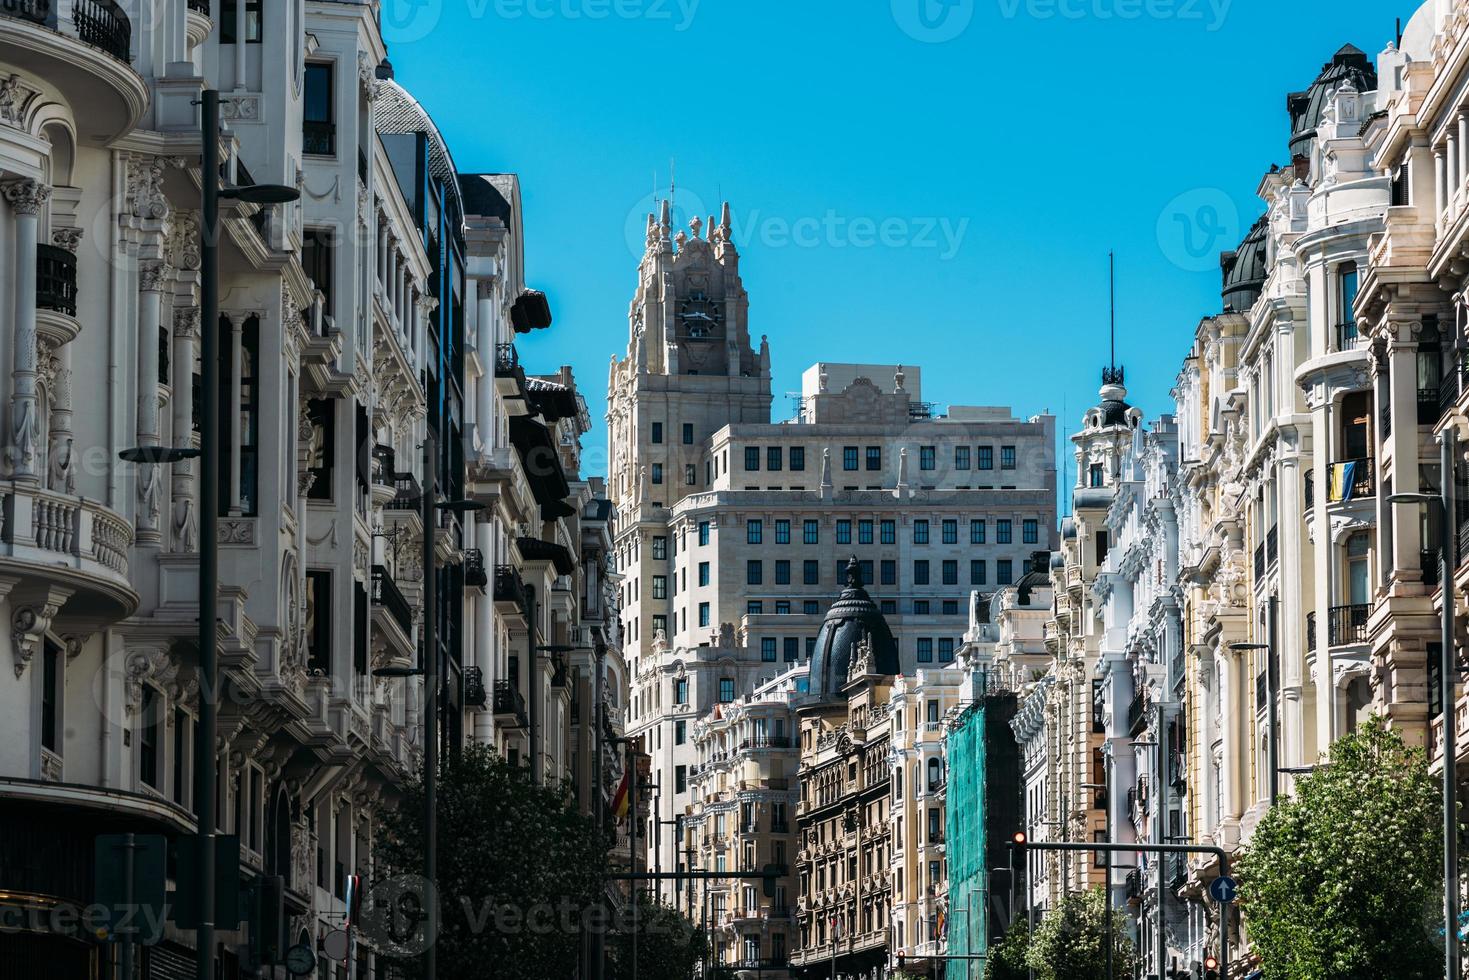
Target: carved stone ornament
(145,189)
(182,244)
(239,532)
(28,625)
(26,196)
(67,238)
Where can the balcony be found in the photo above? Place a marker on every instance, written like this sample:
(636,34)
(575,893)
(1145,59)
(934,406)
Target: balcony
(1347,625)
(1351,480)
(406,493)
(475,576)
(1311,631)
(1347,337)
(1453,384)
(1310,489)
(509,376)
(475,695)
(56,280)
(1428,400)
(1259,561)
(319,138)
(509,589)
(1137,714)
(1272,547)
(385,596)
(74,543)
(87,56)
(199,7)
(510,705)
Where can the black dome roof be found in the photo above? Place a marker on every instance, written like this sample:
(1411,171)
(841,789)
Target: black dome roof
(852,618)
(1347,65)
(1244,270)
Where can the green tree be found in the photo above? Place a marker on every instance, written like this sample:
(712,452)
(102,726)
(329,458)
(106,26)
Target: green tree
(518,866)
(1343,879)
(1006,960)
(1070,942)
(669,945)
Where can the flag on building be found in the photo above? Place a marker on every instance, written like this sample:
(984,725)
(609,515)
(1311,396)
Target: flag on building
(623,798)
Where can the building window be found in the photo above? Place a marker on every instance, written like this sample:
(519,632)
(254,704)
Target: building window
(754,531)
(783,607)
(811,572)
(782,572)
(811,607)
(50,696)
(889,572)
(1094,476)
(657,433)
(925,650)
(811,532)
(318,115)
(889,532)
(680,779)
(703,573)
(1007,457)
(864,532)
(976,572)
(920,607)
(752,459)
(767,649)
(782,532)
(1004,571)
(660,548)
(927,458)
(703,614)
(148,737)
(920,572)
(773,459)
(951,532)
(228,12)
(318,261)
(1004,531)
(660,586)
(660,623)
(319,620)
(844,532)
(986,457)
(849,458)
(681,690)
(726,690)
(866,569)
(946,650)
(961,457)
(754,572)
(798,458)
(920,532)
(657,474)
(951,572)
(688,433)
(704,533)
(1030,532)
(680,732)
(874,457)
(690,474)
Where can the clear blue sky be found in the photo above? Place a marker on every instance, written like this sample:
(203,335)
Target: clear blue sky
(899,197)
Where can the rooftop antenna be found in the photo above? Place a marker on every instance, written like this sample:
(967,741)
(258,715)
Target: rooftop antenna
(672,183)
(1399,32)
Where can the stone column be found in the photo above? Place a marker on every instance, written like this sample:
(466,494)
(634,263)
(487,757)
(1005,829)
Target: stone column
(1451,166)
(1464,148)
(486,340)
(1237,748)
(1295,735)
(27,198)
(1440,179)
(61,456)
(150,480)
(185,518)
(240,37)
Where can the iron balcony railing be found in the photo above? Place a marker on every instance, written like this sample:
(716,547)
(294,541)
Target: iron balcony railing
(1259,561)
(1137,713)
(200,7)
(475,695)
(1352,479)
(56,277)
(1311,630)
(1454,382)
(1347,625)
(510,702)
(1310,489)
(102,24)
(1347,336)
(1262,690)
(1272,547)
(1428,405)
(508,585)
(507,361)
(1133,886)
(385,593)
(319,138)
(408,496)
(475,576)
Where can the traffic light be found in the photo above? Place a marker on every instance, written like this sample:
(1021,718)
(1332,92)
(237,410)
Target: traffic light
(1211,968)
(902,959)
(1018,840)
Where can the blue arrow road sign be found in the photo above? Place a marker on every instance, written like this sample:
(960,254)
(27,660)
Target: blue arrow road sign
(1223,889)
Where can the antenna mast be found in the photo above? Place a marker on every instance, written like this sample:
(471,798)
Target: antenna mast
(1112,374)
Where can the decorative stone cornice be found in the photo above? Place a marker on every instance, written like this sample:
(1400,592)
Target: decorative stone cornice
(27,196)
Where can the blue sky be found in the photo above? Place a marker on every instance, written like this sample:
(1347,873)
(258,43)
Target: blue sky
(922,181)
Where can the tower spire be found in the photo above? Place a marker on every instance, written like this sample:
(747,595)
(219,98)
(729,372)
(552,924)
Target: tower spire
(1112,374)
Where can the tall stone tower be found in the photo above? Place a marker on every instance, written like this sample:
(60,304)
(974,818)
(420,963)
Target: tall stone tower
(690,368)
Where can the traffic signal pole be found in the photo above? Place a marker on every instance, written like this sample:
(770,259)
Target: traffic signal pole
(1021,843)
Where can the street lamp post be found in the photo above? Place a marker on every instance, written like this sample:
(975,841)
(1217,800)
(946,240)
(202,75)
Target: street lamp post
(205,773)
(1272,736)
(1448,673)
(1106,789)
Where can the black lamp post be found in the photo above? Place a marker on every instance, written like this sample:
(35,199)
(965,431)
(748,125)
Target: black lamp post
(1448,675)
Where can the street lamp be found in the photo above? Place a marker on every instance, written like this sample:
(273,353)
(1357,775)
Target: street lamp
(157,455)
(1272,737)
(1448,671)
(206,776)
(1107,889)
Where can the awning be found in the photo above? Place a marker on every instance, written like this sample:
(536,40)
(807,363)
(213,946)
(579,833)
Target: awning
(530,311)
(541,460)
(534,549)
(551,400)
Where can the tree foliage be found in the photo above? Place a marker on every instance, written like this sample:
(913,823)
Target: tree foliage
(1006,960)
(1343,879)
(518,867)
(1070,943)
(669,945)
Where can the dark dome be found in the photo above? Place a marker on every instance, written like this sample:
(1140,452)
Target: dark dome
(1244,270)
(854,617)
(1347,65)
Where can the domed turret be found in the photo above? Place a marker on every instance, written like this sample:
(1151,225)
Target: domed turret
(854,630)
(1245,270)
(1347,65)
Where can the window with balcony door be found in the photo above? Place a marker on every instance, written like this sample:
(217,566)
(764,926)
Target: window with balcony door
(228,21)
(1358,561)
(1346,298)
(318,111)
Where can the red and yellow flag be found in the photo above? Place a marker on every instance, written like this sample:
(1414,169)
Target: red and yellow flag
(621,800)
